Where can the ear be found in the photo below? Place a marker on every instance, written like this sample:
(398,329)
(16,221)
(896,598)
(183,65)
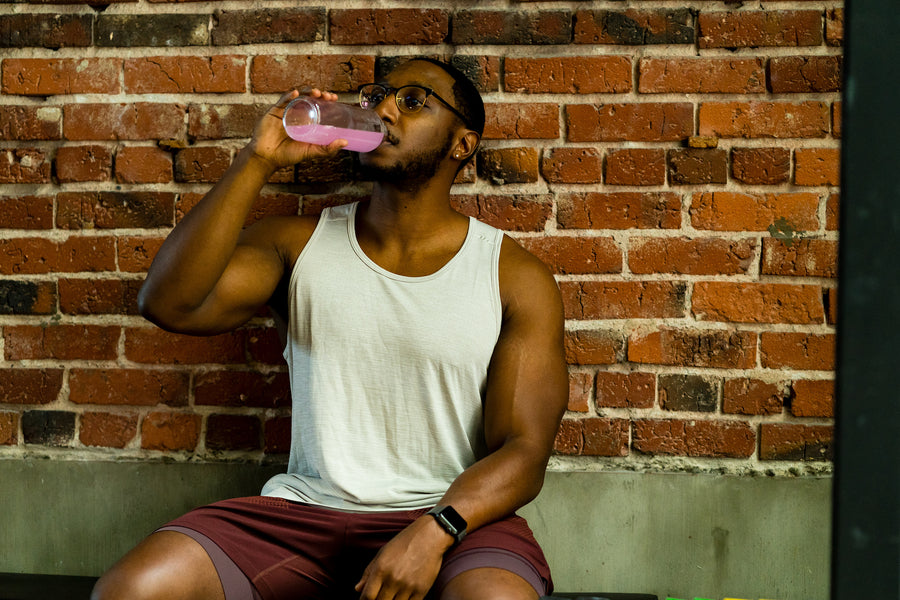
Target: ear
(467,145)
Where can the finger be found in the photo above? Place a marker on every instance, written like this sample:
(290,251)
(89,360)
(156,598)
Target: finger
(286,98)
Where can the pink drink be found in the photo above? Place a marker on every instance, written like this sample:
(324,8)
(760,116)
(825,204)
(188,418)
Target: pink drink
(322,135)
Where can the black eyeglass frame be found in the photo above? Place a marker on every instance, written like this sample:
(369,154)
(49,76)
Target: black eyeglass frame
(388,90)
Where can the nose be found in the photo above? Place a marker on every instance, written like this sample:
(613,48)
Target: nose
(387,109)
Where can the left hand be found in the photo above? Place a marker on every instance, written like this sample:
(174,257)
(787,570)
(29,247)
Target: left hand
(405,568)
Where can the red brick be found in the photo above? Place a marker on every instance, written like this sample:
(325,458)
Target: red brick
(636,166)
(30,122)
(634,27)
(107,430)
(29,386)
(21,297)
(817,166)
(619,210)
(787,441)
(269,26)
(803,258)
(761,166)
(220,121)
(515,212)
(201,164)
(64,342)
(625,390)
(813,398)
(647,122)
(98,296)
(170,432)
(336,72)
(623,299)
(702,76)
(26,212)
(138,121)
(86,253)
(333,169)
(836,119)
(233,432)
(511,27)
(34,256)
(714,439)
(217,74)
(83,163)
(568,75)
(48,77)
(698,256)
(694,166)
(521,121)
(569,438)
(277,434)
(694,348)
(794,350)
(265,346)
(508,165)
(9,429)
(765,119)
(572,165)
(133,387)
(834,27)
(483,71)
(757,302)
(114,210)
(593,347)
(285,205)
(570,255)
(49,30)
(136,253)
(155,346)
(24,165)
(750,29)
(605,437)
(832,212)
(143,164)
(729,211)
(831,301)
(812,74)
(389,26)
(688,393)
(580,386)
(745,396)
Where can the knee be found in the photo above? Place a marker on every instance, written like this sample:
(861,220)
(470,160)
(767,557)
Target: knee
(119,585)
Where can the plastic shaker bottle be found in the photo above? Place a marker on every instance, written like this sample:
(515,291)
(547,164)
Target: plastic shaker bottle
(320,122)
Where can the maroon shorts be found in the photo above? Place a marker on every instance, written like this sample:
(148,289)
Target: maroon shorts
(284,549)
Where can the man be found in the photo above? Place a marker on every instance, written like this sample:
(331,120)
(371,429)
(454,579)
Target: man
(427,370)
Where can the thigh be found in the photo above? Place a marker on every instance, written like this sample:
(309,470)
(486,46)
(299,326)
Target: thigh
(487,582)
(166,565)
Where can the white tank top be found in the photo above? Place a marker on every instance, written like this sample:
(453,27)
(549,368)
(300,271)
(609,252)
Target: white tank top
(388,373)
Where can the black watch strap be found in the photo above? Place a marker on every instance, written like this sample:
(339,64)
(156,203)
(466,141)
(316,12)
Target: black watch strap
(450,520)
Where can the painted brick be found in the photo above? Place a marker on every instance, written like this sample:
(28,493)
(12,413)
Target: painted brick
(572,165)
(634,27)
(713,439)
(571,255)
(138,121)
(619,210)
(511,27)
(813,398)
(691,256)
(761,166)
(157,30)
(625,390)
(113,210)
(170,432)
(729,211)
(787,441)
(746,396)
(636,166)
(605,437)
(803,258)
(99,296)
(797,350)
(132,387)
(48,427)
(580,387)
(26,212)
(143,164)
(63,342)
(693,166)
(269,26)
(30,386)
(817,166)
(135,253)
(220,121)
(795,74)
(809,119)
(688,393)
(107,430)
(568,75)
(702,76)
(155,346)
(337,73)
(750,29)
(593,347)
(48,30)
(27,298)
(508,165)
(389,26)
(185,74)
(30,122)
(694,348)
(83,163)
(49,77)
(24,165)
(757,302)
(647,122)
(201,164)
(515,212)
(521,121)
(623,299)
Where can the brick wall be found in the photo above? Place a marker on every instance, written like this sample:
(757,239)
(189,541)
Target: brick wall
(675,163)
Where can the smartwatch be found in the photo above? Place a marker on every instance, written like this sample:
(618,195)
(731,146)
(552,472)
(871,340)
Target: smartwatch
(450,520)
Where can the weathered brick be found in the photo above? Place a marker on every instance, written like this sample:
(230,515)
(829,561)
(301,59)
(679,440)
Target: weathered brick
(483,71)
(9,429)
(107,430)
(39,256)
(729,211)
(568,75)
(30,122)
(508,165)
(803,258)
(691,256)
(694,348)
(647,122)
(143,164)
(201,164)
(337,72)
(605,437)
(220,121)
(702,75)
(757,302)
(817,74)
(831,301)
(99,296)
(27,298)
(48,427)
(787,441)
(367,26)
(688,393)
(569,438)
(48,77)
(623,299)
(170,432)
(817,166)
(136,253)
(26,212)
(636,166)
(277,434)
(521,121)
(797,350)
(265,346)
(113,210)
(159,30)
(625,390)
(634,27)
(331,169)
(693,166)
(63,342)
(593,347)
(765,119)
(743,29)
(580,387)
(83,163)
(761,166)
(834,27)
(233,432)
(511,27)
(572,165)
(514,212)
(745,396)
(155,346)
(45,30)
(185,74)
(714,439)
(836,119)
(269,26)
(813,398)
(24,165)
(284,205)
(242,388)
(138,121)
(133,387)
(619,210)
(570,255)
(30,386)
(832,212)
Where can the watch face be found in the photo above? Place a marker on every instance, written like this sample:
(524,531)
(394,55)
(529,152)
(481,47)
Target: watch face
(450,520)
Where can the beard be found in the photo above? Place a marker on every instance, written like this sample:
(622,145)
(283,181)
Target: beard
(418,168)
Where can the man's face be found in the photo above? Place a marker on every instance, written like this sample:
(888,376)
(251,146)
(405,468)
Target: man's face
(416,143)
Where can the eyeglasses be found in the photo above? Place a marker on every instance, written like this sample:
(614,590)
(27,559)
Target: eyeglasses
(409,98)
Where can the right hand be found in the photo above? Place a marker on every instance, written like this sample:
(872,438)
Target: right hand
(271,144)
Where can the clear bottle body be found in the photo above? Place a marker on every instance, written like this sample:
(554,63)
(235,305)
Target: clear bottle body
(316,121)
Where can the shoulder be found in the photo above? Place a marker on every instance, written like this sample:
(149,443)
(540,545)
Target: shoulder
(285,235)
(526,283)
